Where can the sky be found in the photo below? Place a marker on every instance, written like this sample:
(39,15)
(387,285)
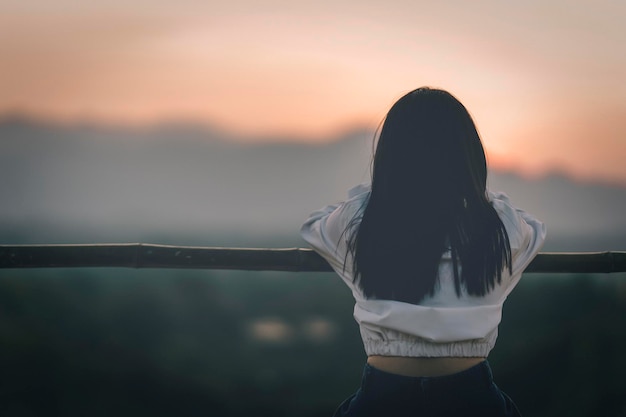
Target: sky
(545,80)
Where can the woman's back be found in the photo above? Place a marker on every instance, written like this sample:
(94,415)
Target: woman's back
(430,256)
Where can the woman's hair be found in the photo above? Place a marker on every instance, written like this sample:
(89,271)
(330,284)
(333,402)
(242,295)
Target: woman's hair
(428,197)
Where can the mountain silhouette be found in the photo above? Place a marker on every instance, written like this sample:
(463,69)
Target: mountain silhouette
(185,184)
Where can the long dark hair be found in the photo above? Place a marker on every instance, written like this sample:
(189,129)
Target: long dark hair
(428,197)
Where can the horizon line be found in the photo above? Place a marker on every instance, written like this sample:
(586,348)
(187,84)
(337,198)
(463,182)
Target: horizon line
(495,162)
(230,133)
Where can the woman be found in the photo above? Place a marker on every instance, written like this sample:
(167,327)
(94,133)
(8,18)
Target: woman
(430,256)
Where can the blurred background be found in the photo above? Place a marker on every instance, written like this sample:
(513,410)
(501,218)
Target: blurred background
(225,124)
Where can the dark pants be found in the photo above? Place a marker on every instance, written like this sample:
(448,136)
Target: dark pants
(468,393)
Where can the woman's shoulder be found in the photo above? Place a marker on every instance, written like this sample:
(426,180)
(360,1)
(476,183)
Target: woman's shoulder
(334,218)
(360,191)
(355,202)
(520,225)
(502,204)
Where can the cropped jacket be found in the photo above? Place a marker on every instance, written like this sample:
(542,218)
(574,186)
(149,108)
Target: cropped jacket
(441,325)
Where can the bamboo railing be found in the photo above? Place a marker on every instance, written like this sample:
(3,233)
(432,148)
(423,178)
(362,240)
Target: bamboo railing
(141,255)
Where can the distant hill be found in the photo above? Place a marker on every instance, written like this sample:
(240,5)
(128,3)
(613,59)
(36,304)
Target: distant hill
(191,185)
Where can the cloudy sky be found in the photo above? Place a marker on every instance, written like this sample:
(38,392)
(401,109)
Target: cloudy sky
(544,79)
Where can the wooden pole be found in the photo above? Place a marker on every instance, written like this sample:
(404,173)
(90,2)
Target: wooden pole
(141,255)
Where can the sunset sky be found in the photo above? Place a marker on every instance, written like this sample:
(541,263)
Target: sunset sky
(544,79)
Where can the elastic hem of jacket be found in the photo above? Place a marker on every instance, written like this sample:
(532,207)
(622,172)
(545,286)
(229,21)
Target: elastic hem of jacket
(464,349)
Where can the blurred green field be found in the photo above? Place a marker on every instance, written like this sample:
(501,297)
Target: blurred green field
(100,342)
